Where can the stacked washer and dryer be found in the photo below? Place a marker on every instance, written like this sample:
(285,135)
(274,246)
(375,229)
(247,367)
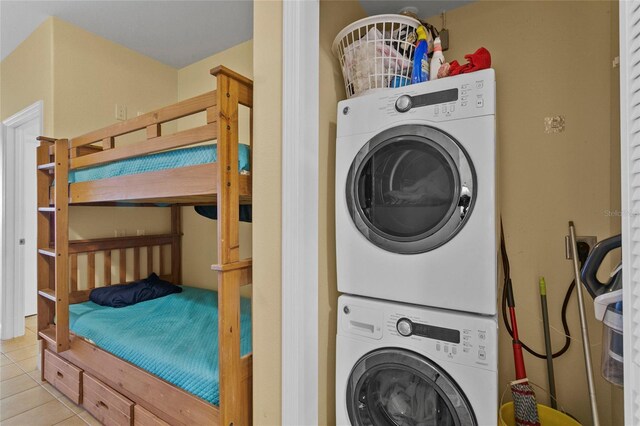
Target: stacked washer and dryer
(416,239)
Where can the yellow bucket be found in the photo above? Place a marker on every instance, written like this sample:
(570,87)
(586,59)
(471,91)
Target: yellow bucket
(548,416)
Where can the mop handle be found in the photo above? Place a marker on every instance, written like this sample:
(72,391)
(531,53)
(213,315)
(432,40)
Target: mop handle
(547,342)
(586,345)
(518,358)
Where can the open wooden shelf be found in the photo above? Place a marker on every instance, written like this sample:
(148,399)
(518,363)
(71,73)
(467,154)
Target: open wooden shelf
(48,293)
(49,334)
(47,251)
(47,166)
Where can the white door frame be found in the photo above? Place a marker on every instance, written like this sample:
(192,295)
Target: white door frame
(300,97)
(629,143)
(12,295)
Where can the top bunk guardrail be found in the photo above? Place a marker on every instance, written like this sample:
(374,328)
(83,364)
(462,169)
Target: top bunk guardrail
(152,121)
(196,184)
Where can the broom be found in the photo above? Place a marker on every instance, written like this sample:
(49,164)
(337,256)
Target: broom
(524,398)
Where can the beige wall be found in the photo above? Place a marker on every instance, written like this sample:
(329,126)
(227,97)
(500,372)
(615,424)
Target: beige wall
(80,77)
(267,128)
(334,15)
(194,80)
(91,76)
(26,75)
(548,179)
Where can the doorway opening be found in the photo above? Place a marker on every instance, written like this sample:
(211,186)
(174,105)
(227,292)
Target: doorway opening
(18,251)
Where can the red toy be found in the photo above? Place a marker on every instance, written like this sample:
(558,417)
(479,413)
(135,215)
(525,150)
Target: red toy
(477,61)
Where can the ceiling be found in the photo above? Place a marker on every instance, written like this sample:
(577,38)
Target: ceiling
(425,8)
(177,33)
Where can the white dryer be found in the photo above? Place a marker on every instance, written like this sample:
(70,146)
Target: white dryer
(399,364)
(416,194)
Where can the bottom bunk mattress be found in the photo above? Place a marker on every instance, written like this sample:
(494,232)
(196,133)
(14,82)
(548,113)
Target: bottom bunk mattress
(174,337)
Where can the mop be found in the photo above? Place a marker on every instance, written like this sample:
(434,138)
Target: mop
(524,398)
(586,346)
(547,343)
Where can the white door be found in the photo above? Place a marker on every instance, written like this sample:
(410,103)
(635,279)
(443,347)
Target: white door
(18,219)
(26,145)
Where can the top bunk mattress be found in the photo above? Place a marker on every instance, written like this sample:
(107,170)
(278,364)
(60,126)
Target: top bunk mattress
(174,337)
(191,156)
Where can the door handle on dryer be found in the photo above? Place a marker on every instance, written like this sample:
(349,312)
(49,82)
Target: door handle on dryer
(464,201)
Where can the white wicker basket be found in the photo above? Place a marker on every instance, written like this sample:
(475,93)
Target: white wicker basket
(376,53)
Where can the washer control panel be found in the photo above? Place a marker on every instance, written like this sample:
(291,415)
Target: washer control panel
(467,343)
(439,334)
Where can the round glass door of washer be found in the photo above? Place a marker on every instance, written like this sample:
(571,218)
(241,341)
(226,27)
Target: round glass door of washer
(410,189)
(395,387)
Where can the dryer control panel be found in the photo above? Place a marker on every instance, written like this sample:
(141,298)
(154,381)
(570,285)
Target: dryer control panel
(444,103)
(438,334)
(463,96)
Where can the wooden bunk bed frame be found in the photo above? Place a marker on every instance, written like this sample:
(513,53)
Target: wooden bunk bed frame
(113,390)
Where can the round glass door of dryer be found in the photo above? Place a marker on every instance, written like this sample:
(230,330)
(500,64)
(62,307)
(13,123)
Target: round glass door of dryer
(410,189)
(395,387)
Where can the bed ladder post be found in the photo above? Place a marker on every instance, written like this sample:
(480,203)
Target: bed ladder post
(232,406)
(53,241)
(46,283)
(61,247)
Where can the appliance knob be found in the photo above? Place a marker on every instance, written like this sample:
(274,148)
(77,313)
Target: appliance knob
(404,103)
(404,327)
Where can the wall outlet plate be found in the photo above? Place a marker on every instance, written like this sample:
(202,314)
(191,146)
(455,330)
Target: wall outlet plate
(555,124)
(121,112)
(590,240)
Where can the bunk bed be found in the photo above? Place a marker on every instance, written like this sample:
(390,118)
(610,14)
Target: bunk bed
(111,388)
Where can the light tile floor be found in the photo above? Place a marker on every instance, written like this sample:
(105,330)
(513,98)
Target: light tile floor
(24,399)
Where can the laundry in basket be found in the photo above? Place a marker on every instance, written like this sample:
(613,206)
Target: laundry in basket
(376,52)
(371,62)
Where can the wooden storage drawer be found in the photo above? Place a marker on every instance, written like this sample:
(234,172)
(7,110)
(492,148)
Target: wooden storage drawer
(142,417)
(64,376)
(105,404)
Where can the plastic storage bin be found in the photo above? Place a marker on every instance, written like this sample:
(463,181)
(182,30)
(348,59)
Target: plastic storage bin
(548,416)
(376,53)
(612,351)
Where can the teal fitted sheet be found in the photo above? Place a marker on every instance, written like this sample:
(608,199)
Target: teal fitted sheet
(159,161)
(174,337)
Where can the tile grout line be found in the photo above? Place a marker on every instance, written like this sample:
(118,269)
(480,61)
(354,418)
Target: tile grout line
(74,414)
(20,349)
(39,384)
(32,408)
(55,398)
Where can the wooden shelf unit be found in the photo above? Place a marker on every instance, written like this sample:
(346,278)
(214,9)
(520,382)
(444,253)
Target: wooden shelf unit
(218,183)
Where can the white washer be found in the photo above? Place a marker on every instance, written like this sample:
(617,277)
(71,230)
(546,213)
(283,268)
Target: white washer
(442,371)
(416,194)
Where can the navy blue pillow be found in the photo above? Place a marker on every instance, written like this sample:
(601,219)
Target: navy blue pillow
(121,295)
